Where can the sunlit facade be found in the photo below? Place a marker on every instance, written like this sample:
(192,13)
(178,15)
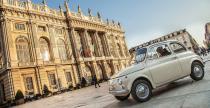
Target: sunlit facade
(43,46)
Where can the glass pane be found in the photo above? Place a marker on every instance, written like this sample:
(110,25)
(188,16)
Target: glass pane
(177,48)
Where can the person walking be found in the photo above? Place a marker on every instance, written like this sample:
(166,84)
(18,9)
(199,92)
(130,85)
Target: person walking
(95,80)
(83,82)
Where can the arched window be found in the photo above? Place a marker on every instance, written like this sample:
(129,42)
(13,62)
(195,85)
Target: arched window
(62,50)
(22,48)
(44,49)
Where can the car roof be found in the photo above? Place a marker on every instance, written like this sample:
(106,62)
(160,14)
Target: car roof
(163,42)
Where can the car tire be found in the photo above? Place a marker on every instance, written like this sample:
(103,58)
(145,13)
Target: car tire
(122,98)
(197,71)
(141,86)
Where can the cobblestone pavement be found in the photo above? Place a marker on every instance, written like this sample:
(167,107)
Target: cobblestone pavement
(184,93)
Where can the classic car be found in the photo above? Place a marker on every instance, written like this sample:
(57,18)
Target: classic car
(156,65)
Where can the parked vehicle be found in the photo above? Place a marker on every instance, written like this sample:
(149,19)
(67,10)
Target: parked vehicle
(156,65)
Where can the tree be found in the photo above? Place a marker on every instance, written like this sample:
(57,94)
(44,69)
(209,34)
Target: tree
(19,95)
(46,91)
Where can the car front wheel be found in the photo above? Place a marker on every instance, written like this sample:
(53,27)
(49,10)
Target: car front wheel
(122,98)
(141,90)
(197,71)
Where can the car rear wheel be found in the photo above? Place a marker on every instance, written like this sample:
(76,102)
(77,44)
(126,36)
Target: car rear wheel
(141,90)
(122,98)
(197,71)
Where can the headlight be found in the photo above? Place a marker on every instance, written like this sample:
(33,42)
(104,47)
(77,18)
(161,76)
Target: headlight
(119,81)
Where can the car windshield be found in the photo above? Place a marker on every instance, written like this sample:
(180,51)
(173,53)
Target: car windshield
(141,54)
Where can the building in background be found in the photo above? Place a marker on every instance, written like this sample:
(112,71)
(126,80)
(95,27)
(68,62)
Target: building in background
(43,46)
(207,35)
(182,36)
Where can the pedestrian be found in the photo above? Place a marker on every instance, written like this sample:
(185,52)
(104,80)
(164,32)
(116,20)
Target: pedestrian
(83,82)
(95,80)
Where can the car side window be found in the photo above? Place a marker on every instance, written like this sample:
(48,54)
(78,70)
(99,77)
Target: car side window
(158,51)
(177,48)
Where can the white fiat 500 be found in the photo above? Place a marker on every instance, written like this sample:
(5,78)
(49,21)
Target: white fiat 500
(156,65)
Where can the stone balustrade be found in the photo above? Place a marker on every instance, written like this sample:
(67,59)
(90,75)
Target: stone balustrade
(43,8)
(33,7)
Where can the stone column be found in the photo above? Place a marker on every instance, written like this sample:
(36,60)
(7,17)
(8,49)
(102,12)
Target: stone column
(31,42)
(126,48)
(115,70)
(107,45)
(121,48)
(68,44)
(7,43)
(74,44)
(54,51)
(98,44)
(11,44)
(4,43)
(34,46)
(36,43)
(106,74)
(95,37)
(87,43)
(95,69)
(76,54)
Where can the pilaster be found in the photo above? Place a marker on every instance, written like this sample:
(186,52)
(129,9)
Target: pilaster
(68,44)
(36,43)
(97,44)
(107,45)
(5,42)
(54,52)
(95,69)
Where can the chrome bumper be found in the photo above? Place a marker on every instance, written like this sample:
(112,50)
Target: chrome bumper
(119,92)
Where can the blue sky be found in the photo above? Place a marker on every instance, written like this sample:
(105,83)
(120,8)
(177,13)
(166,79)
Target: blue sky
(144,20)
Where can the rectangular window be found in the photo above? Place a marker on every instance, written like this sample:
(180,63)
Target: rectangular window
(68,77)
(29,83)
(19,26)
(52,79)
(42,28)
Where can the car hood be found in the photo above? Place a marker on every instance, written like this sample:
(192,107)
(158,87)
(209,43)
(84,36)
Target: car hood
(131,69)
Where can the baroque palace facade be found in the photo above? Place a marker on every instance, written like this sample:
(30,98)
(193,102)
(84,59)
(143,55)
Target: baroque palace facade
(43,46)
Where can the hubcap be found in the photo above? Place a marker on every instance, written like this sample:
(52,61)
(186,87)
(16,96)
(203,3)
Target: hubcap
(142,91)
(198,71)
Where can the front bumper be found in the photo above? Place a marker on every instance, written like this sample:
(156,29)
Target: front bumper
(119,92)
(117,89)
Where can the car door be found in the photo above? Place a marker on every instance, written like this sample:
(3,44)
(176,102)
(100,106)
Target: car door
(163,67)
(184,57)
